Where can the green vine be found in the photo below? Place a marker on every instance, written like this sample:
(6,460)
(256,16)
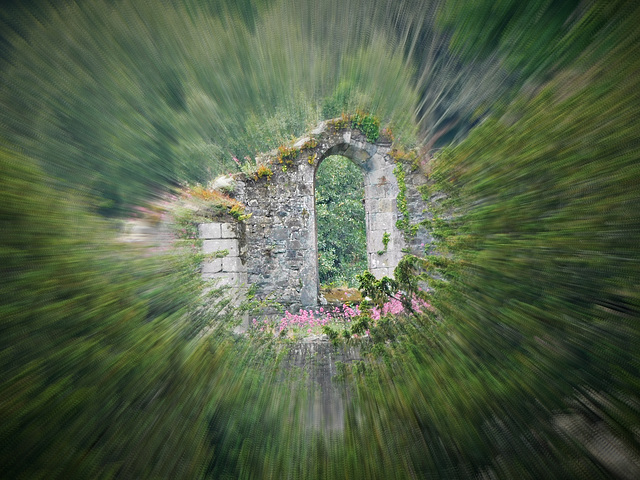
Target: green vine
(403,224)
(385,242)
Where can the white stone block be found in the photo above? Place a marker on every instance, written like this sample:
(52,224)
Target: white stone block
(377,162)
(209,230)
(386,205)
(301,142)
(224,279)
(382,272)
(319,129)
(212,266)
(384,221)
(232,264)
(375,243)
(228,230)
(212,246)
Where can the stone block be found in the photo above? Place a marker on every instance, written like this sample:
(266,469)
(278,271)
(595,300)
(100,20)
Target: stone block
(382,272)
(229,230)
(212,246)
(319,129)
(368,191)
(279,234)
(379,261)
(380,177)
(225,279)
(232,264)
(212,266)
(386,205)
(377,162)
(384,221)
(375,244)
(301,142)
(361,157)
(209,230)
(371,149)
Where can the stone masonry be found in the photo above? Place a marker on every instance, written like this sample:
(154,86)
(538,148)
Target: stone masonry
(275,249)
(222,242)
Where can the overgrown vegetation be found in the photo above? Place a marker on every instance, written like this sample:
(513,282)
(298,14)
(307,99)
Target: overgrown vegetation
(523,366)
(367,123)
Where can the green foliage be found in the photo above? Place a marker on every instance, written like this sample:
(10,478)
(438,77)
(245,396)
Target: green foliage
(539,242)
(340,123)
(367,124)
(521,31)
(286,155)
(386,237)
(309,144)
(264,171)
(338,103)
(403,224)
(340,220)
(378,291)
(111,104)
(94,341)
(109,367)
(202,203)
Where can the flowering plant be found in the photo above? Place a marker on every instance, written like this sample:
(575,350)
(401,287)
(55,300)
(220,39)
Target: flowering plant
(346,320)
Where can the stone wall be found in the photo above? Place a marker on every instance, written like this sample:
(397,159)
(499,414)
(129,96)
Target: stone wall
(276,249)
(418,209)
(222,242)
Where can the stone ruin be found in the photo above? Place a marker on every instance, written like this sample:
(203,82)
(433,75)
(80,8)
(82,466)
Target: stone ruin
(275,249)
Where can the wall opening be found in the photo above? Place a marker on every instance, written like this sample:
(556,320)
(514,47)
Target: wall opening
(340,222)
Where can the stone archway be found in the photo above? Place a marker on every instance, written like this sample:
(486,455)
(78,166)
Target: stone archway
(277,245)
(380,196)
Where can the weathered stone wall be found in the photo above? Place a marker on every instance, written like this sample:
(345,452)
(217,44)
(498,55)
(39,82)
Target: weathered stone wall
(418,209)
(277,245)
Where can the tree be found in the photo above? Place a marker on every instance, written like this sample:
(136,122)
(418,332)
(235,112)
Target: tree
(340,217)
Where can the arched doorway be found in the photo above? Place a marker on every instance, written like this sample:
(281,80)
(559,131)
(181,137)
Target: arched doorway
(340,222)
(384,243)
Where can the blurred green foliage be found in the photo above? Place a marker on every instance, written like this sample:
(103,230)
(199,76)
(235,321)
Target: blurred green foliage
(122,100)
(527,368)
(95,341)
